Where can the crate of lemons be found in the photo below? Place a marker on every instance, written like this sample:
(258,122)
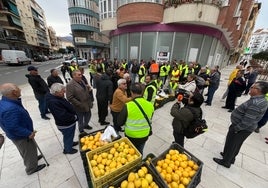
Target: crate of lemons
(178,168)
(111,161)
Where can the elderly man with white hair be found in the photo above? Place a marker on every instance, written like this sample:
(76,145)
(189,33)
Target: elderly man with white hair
(64,115)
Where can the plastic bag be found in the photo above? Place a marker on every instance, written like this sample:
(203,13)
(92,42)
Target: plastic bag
(108,134)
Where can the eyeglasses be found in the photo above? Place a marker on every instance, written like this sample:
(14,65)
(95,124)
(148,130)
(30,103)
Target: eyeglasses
(254,87)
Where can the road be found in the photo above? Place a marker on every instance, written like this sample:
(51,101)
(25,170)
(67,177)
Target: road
(16,74)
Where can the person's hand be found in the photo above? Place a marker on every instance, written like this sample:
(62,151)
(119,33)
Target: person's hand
(31,136)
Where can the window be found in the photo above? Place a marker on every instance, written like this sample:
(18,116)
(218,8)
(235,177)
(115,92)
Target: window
(237,12)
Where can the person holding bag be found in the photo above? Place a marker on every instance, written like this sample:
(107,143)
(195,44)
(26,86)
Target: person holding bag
(183,117)
(137,115)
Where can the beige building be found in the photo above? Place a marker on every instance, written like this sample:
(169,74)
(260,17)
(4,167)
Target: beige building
(24,26)
(53,39)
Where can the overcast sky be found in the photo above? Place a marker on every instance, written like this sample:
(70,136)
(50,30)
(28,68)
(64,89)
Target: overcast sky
(56,13)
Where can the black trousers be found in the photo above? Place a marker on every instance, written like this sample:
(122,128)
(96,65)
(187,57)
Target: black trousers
(233,143)
(179,138)
(230,100)
(102,109)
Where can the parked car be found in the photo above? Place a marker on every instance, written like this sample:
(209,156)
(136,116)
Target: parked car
(15,57)
(81,61)
(40,58)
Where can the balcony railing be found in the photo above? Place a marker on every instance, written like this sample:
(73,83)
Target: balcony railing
(175,3)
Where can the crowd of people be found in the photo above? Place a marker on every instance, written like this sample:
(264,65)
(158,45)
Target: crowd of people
(129,89)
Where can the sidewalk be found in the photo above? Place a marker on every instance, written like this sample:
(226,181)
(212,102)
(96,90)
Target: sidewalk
(249,171)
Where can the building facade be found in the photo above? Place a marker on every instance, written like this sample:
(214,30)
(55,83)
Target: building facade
(24,27)
(88,40)
(258,41)
(206,31)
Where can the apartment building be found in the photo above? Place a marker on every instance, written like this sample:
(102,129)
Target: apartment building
(206,31)
(258,41)
(84,19)
(24,26)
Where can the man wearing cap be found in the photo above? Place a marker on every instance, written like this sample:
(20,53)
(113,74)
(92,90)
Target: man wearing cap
(40,89)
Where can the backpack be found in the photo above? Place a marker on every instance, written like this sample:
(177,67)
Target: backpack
(198,126)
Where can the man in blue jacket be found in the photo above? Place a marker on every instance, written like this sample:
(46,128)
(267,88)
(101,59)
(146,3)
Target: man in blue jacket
(18,126)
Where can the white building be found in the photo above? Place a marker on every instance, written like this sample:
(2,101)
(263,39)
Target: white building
(258,41)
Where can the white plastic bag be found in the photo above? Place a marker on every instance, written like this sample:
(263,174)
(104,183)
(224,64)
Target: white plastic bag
(108,134)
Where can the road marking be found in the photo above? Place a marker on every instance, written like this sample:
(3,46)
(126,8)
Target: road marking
(8,73)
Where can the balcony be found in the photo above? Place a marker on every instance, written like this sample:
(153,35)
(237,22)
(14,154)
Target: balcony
(139,13)
(202,12)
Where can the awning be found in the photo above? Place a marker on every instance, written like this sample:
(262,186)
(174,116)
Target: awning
(16,21)
(13,8)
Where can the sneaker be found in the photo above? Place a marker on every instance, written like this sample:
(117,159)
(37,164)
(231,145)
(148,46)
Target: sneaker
(88,127)
(104,123)
(257,130)
(39,167)
(73,151)
(45,118)
(75,143)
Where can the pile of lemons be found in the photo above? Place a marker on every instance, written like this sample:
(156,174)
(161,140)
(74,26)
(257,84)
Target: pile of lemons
(115,157)
(92,142)
(176,169)
(140,178)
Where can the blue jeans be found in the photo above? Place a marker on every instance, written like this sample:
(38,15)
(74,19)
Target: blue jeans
(83,119)
(42,105)
(68,136)
(211,91)
(263,120)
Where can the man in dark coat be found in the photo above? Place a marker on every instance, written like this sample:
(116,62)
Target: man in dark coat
(77,93)
(64,115)
(235,90)
(40,89)
(53,78)
(183,117)
(104,95)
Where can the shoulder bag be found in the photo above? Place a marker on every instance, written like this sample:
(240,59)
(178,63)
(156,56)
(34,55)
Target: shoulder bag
(145,116)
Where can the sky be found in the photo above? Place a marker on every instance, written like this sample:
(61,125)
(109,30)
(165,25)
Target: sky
(56,13)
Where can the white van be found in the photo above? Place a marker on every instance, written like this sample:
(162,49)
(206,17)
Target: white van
(12,57)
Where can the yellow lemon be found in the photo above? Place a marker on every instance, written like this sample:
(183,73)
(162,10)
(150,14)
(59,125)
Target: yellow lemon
(185,181)
(174,184)
(124,184)
(131,176)
(116,145)
(144,183)
(137,182)
(141,173)
(131,185)
(144,169)
(149,178)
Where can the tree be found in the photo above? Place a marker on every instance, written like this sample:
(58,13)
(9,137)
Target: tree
(62,51)
(261,56)
(70,49)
